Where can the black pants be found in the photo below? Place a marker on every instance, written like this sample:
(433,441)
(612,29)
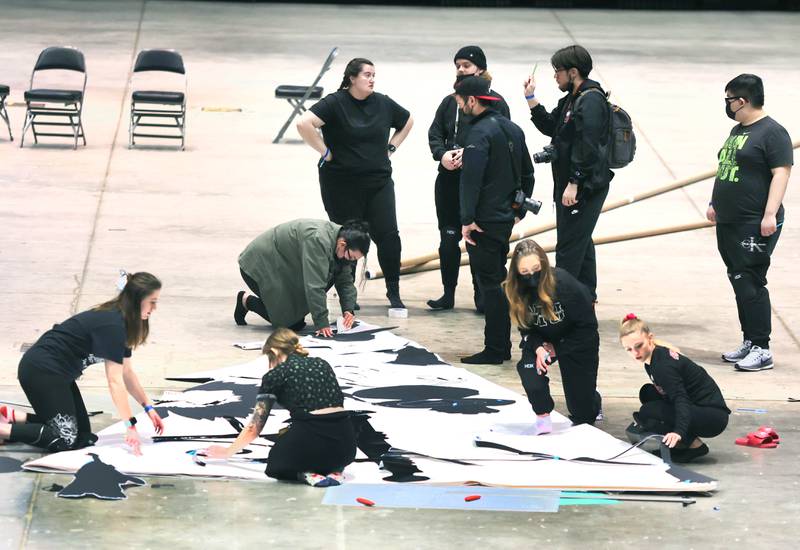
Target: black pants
(447,197)
(574,246)
(747,256)
(488,260)
(318,443)
(578,360)
(657,415)
(349,201)
(60,421)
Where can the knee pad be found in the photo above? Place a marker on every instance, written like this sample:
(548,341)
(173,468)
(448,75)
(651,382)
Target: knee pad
(60,433)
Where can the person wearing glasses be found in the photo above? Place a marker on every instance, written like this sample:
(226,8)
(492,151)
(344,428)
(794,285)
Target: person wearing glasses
(754,168)
(290,268)
(578,127)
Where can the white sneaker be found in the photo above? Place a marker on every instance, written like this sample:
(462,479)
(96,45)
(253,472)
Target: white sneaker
(739,353)
(757,359)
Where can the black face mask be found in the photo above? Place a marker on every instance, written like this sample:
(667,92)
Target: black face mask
(531,280)
(728,111)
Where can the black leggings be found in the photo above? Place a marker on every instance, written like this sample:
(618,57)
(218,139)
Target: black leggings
(59,421)
(657,415)
(376,205)
(747,257)
(578,365)
(318,443)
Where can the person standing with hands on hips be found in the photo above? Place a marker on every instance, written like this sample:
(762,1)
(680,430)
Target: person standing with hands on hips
(754,168)
(49,369)
(446,137)
(578,127)
(355,173)
(496,168)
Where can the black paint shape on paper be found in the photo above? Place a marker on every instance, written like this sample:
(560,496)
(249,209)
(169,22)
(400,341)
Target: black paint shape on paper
(412,355)
(235,409)
(100,480)
(363,336)
(446,399)
(201,380)
(685,474)
(8,465)
(373,444)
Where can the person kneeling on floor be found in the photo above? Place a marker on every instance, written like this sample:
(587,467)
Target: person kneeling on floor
(320,440)
(682,403)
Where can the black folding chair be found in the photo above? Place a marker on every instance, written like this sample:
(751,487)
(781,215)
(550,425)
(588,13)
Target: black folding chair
(158,104)
(298,95)
(4,91)
(43,105)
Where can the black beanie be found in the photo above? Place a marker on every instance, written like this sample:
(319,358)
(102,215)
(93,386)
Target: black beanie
(473,54)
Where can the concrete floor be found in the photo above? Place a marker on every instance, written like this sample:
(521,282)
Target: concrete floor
(70,219)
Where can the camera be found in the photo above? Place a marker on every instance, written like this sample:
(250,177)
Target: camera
(526,204)
(547,154)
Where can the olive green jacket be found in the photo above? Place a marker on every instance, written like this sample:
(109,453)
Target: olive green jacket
(294,265)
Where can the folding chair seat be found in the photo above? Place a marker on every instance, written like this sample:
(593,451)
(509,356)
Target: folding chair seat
(298,95)
(45,106)
(158,108)
(4,91)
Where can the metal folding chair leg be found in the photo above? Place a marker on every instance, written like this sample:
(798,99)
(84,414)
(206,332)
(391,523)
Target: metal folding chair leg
(4,116)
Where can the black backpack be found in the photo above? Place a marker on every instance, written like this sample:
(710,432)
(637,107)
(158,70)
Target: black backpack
(621,146)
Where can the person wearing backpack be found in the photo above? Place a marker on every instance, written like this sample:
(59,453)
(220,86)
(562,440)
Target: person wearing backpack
(578,152)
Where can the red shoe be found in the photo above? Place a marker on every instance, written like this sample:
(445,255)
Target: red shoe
(770,431)
(761,440)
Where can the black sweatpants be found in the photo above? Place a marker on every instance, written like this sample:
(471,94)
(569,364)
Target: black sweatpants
(574,228)
(578,360)
(657,415)
(447,197)
(350,201)
(488,260)
(747,257)
(318,443)
(256,305)
(59,421)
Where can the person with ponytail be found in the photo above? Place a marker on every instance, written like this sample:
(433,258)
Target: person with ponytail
(682,402)
(554,313)
(291,267)
(355,173)
(320,440)
(49,369)
(447,136)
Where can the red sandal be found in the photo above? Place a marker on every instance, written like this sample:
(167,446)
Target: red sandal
(760,440)
(770,431)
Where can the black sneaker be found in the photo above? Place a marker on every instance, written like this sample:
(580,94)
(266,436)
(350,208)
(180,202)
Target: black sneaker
(486,357)
(240,311)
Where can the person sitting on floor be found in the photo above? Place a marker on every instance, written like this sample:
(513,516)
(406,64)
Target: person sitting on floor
(683,402)
(320,440)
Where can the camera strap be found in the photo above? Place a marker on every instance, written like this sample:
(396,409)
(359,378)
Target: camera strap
(510,149)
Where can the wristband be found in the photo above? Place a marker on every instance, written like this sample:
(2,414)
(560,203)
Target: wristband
(130,423)
(529,97)
(322,158)
(148,408)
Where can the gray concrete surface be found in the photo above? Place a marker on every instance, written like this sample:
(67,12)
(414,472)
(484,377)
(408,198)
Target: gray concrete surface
(70,219)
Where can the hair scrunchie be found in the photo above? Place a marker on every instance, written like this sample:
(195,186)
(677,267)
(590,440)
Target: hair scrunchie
(629,317)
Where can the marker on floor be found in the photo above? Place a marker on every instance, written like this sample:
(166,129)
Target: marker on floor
(470,498)
(365,501)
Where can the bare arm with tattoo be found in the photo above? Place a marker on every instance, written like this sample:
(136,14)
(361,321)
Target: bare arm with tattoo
(263,406)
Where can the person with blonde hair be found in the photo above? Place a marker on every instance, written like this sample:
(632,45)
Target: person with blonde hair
(554,313)
(320,440)
(48,371)
(682,402)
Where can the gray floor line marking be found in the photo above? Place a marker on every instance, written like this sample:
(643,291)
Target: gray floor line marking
(786,327)
(639,130)
(82,279)
(23,540)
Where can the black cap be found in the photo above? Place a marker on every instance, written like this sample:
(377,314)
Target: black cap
(473,54)
(474,86)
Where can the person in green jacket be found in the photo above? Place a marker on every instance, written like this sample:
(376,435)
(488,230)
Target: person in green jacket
(290,268)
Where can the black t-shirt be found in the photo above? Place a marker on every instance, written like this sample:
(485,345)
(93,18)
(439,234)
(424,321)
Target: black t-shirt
(303,384)
(357,132)
(744,174)
(683,383)
(82,340)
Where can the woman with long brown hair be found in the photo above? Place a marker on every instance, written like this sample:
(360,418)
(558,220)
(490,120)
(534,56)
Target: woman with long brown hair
(555,316)
(320,440)
(355,173)
(49,369)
